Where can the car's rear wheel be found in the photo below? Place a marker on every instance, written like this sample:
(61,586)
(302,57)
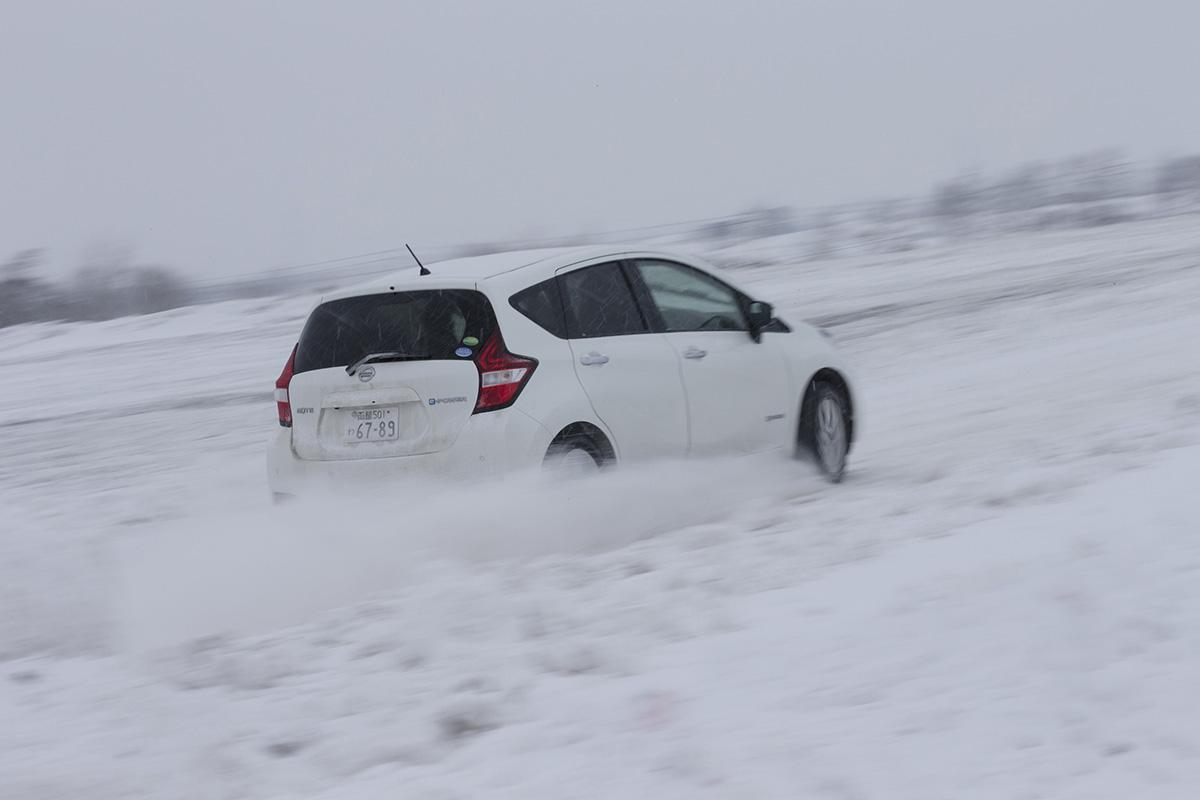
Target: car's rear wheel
(825,429)
(575,457)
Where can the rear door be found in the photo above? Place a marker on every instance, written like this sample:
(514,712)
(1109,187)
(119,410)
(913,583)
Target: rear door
(630,374)
(736,388)
(414,399)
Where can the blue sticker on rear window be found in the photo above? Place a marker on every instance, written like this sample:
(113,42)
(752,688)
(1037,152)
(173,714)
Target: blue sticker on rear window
(463,352)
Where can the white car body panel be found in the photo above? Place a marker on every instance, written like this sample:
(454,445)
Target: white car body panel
(649,421)
(738,393)
(648,400)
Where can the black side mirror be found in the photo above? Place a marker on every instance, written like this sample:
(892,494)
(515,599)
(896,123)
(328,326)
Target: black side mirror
(759,315)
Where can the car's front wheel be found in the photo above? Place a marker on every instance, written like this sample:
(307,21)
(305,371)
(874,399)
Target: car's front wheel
(825,429)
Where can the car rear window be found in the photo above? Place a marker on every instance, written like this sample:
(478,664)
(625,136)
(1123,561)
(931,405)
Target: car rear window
(423,325)
(542,303)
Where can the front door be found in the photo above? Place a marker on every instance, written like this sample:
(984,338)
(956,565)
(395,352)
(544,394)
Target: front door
(736,387)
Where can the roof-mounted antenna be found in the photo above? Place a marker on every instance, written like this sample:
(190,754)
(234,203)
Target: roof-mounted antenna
(419,264)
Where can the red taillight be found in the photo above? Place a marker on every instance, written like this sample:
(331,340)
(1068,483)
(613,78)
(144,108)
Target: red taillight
(282,400)
(502,375)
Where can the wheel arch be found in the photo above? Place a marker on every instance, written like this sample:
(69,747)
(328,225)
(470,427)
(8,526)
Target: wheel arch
(591,432)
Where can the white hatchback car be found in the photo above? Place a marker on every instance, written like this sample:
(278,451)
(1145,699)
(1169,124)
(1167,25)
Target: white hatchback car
(584,358)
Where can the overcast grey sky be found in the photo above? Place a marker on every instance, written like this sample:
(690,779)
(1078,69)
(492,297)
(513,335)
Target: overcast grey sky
(222,137)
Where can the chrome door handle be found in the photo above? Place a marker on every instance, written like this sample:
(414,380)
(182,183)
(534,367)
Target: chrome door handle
(694,352)
(593,359)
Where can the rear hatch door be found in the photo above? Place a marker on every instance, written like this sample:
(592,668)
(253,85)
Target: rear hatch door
(413,397)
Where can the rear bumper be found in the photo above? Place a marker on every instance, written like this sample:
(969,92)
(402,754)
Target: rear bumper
(489,444)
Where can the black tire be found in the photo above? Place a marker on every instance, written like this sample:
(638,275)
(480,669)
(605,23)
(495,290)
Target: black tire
(825,429)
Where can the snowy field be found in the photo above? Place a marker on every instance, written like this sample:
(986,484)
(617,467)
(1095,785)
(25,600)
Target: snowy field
(1002,601)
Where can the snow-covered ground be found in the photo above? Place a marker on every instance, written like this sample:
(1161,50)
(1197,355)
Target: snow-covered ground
(1003,600)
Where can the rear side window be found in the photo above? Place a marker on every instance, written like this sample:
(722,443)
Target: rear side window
(422,325)
(600,302)
(542,303)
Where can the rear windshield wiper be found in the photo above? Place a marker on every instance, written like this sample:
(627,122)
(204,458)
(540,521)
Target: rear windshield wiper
(391,355)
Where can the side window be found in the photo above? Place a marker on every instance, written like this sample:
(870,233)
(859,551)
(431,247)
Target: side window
(600,302)
(689,300)
(542,304)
